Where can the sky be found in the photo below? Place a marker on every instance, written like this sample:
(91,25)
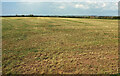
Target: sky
(60,8)
(60,0)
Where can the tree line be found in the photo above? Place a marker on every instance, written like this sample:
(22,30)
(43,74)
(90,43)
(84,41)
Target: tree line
(90,17)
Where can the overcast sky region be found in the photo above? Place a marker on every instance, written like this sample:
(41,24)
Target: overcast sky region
(61,8)
(59,0)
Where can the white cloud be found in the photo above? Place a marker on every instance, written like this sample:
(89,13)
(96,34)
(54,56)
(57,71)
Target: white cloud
(116,4)
(60,0)
(81,6)
(104,4)
(97,5)
(90,2)
(110,6)
(29,0)
(61,7)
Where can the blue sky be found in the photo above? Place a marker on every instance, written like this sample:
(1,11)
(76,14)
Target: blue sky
(61,8)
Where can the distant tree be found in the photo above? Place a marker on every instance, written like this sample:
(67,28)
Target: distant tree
(92,17)
(115,17)
(31,15)
(16,15)
(22,15)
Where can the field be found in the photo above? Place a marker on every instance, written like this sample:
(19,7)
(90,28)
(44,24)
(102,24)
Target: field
(49,45)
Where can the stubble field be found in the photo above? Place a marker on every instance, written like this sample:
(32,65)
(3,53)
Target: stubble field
(49,45)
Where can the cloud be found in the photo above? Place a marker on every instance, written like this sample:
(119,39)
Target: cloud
(110,6)
(89,5)
(104,4)
(60,0)
(81,6)
(61,7)
(97,5)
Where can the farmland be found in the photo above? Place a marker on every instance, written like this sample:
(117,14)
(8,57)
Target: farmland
(49,45)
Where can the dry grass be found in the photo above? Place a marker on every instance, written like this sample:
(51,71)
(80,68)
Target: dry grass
(44,45)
